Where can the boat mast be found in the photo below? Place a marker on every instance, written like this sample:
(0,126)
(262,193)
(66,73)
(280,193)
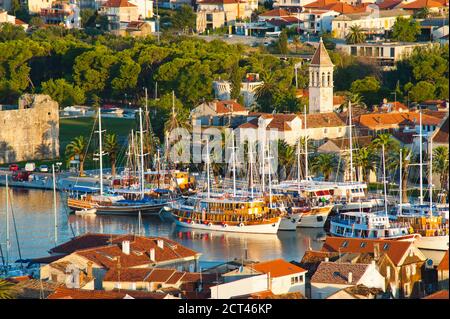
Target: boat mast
(100,142)
(306,147)
(142,154)
(54,204)
(270,175)
(263,166)
(234,164)
(250,153)
(8,242)
(400,185)
(384,180)
(420,156)
(159,167)
(430,178)
(350,139)
(298,167)
(207,167)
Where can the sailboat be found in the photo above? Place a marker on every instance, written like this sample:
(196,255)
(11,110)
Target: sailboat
(372,225)
(236,212)
(426,219)
(119,200)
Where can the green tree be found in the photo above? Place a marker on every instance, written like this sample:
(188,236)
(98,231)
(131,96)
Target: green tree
(78,147)
(365,160)
(36,22)
(184,17)
(422,91)
(393,163)
(325,164)
(286,156)
(355,35)
(236,79)
(88,18)
(6,289)
(65,93)
(111,147)
(405,29)
(440,165)
(9,31)
(368,88)
(283,43)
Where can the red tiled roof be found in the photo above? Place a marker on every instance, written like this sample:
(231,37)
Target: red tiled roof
(338,273)
(253,123)
(275,13)
(118,4)
(389,4)
(228,106)
(19,22)
(323,120)
(393,106)
(443,265)
(319,3)
(419,4)
(395,249)
(85,241)
(382,120)
(277,268)
(67,293)
(441,134)
(441,294)
(338,99)
(220,1)
(107,256)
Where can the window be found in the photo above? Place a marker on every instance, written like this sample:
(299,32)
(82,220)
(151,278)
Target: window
(344,244)
(392,52)
(54,277)
(408,271)
(300,279)
(386,246)
(363,244)
(339,25)
(325,131)
(388,272)
(413,269)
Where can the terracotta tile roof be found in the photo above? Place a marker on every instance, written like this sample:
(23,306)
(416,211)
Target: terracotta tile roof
(253,123)
(320,3)
(441,294)
(362,290)
(323,120)
(126,274)
(419,4)
(277,268)
(19,22)
(84,241)
(395,249)
(228,106)
(275,13)
(395,106)
(220,1)
(175,277)
(443,265)
(67,293)
(340,7)
(268,294)
(160,275)
(34,288)
(338,99)
(140,246)
(389,4)
(441,133)
(338,273)
(118,4)
(390,120)
(344,142)
(136,25)
(321,56)
(311,260)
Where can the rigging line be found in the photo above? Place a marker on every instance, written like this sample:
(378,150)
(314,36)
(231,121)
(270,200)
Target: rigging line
(1,254)
(15,226)
(87,147)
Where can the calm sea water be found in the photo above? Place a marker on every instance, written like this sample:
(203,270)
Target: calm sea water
(34,221)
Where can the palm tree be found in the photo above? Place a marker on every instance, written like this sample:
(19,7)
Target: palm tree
(266,91)
(394,164)
(324,163)
(6,289)
(78,147)
(365,160)
(286,155)
(385,142)
(296,41)
(355,35)
(111,146)
(440,165)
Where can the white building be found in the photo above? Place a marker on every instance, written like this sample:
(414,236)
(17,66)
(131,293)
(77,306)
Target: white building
(145,8)
(291,3)
(331,277)
(277,276)
(222,88)
(321,81)
(316,20)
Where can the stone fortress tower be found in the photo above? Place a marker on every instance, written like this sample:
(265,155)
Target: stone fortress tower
(321,81)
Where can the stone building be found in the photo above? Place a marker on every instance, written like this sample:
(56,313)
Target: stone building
(29,131)
(321,81)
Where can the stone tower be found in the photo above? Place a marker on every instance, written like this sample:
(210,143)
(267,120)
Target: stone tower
(321,81)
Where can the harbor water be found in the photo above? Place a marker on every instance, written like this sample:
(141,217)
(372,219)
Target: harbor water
(32,219)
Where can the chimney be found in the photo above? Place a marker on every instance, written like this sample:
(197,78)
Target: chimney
(152,254)
(89,269)
(126,247)
(327,259)
(160,243)
(350,277)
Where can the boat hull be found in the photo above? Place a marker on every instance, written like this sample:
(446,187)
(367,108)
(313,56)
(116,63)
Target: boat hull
(316,218)
(116,209)
(270,228)
(290,222)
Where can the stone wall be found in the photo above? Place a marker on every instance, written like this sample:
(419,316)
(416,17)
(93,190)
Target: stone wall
(30,132)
